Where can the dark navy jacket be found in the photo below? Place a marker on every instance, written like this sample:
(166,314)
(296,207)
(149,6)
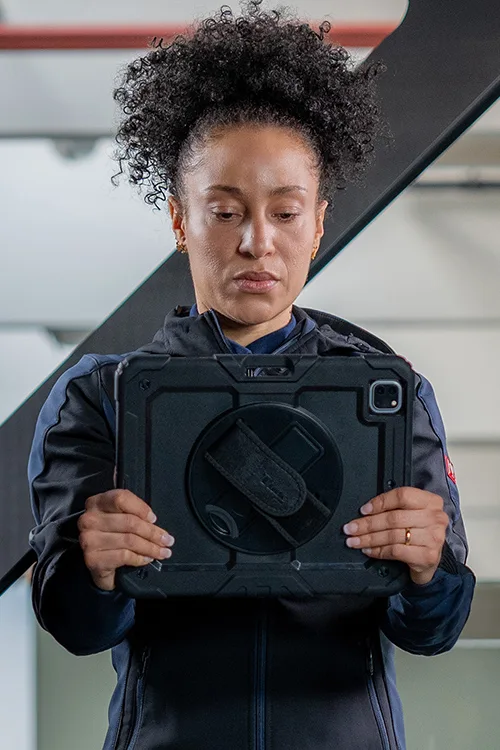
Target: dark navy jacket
(234,674)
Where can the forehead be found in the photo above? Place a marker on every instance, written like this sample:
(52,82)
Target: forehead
(253,157)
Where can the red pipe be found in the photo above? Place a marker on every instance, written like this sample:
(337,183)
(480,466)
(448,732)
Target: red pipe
(137,37)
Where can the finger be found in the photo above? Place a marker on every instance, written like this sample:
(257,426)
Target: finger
(414,556)
(396,519)
(123,523)
(99,541)
(102,564)
(121,501)
(419,537)
(407,498)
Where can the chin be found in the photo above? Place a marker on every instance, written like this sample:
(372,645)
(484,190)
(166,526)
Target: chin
(254,311)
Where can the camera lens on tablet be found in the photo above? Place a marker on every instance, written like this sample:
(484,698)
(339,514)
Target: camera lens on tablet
(386,397)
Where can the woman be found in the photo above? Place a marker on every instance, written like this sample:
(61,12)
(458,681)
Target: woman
(249,125)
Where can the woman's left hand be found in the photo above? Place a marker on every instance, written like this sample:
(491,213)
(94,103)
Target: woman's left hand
(382,532)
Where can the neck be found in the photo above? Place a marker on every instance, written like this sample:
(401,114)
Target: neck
(244,333)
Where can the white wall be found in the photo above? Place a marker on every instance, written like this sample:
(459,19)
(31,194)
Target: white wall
(72,246)
(17,669)
(177,11)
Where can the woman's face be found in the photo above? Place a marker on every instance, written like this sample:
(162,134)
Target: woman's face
(250,222)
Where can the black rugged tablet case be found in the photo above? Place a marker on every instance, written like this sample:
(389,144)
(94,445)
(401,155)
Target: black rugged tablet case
(254,464)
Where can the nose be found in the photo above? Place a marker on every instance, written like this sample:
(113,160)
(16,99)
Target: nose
(257,239)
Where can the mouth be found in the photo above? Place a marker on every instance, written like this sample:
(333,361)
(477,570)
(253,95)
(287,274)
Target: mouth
(255,281)
(256,276)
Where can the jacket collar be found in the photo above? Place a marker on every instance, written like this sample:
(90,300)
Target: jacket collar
(316,333)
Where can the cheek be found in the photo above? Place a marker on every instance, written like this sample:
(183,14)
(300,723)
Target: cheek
(298,261)
(207,266)
(205,245)
(297,270)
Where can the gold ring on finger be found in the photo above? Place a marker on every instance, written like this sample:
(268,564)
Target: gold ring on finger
(408,536)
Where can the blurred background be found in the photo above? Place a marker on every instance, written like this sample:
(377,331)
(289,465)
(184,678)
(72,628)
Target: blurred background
(425,276)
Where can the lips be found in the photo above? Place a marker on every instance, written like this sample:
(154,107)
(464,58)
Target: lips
(257,276)
(256,282)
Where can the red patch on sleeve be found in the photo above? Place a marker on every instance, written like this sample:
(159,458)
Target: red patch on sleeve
(450,470)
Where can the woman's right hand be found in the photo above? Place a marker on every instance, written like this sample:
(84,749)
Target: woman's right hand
(117,528)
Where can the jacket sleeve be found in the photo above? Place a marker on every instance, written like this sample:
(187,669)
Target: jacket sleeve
(72,457)
(428,619)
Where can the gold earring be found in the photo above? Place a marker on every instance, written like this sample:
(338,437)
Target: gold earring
(181,247)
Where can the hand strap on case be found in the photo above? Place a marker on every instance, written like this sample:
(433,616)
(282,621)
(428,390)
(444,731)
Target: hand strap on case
(273,487)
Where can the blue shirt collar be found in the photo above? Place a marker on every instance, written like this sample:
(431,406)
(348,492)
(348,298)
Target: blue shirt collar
(265,344)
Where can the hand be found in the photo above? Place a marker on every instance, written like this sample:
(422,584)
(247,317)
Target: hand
(382,531)
(118,529)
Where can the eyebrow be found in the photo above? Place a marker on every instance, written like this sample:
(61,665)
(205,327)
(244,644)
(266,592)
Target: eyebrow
(237,191)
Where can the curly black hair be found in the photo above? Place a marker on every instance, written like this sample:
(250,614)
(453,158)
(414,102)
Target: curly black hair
(260,67)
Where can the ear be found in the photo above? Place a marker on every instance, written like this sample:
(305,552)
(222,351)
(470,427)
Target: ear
(320,218)
(177,216)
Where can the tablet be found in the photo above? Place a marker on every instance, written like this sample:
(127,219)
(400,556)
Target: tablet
(255,462)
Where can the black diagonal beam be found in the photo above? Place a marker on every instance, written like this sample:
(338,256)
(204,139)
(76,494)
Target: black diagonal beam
(443,72)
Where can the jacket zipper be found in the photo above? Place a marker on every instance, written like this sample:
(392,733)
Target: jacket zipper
(214,324)
(377,709)
(137,706)
(260,679)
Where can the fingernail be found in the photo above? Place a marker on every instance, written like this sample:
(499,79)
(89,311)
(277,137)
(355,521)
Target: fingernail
(167,540)
(353,541)
(366,508)
(151,517)
(367,550)
(350,528)
(147,560)
(165,553)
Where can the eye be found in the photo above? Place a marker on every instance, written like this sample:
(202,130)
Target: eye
(287,217)
(224,216)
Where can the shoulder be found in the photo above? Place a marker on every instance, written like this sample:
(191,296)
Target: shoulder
(351,333)
(82,390)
